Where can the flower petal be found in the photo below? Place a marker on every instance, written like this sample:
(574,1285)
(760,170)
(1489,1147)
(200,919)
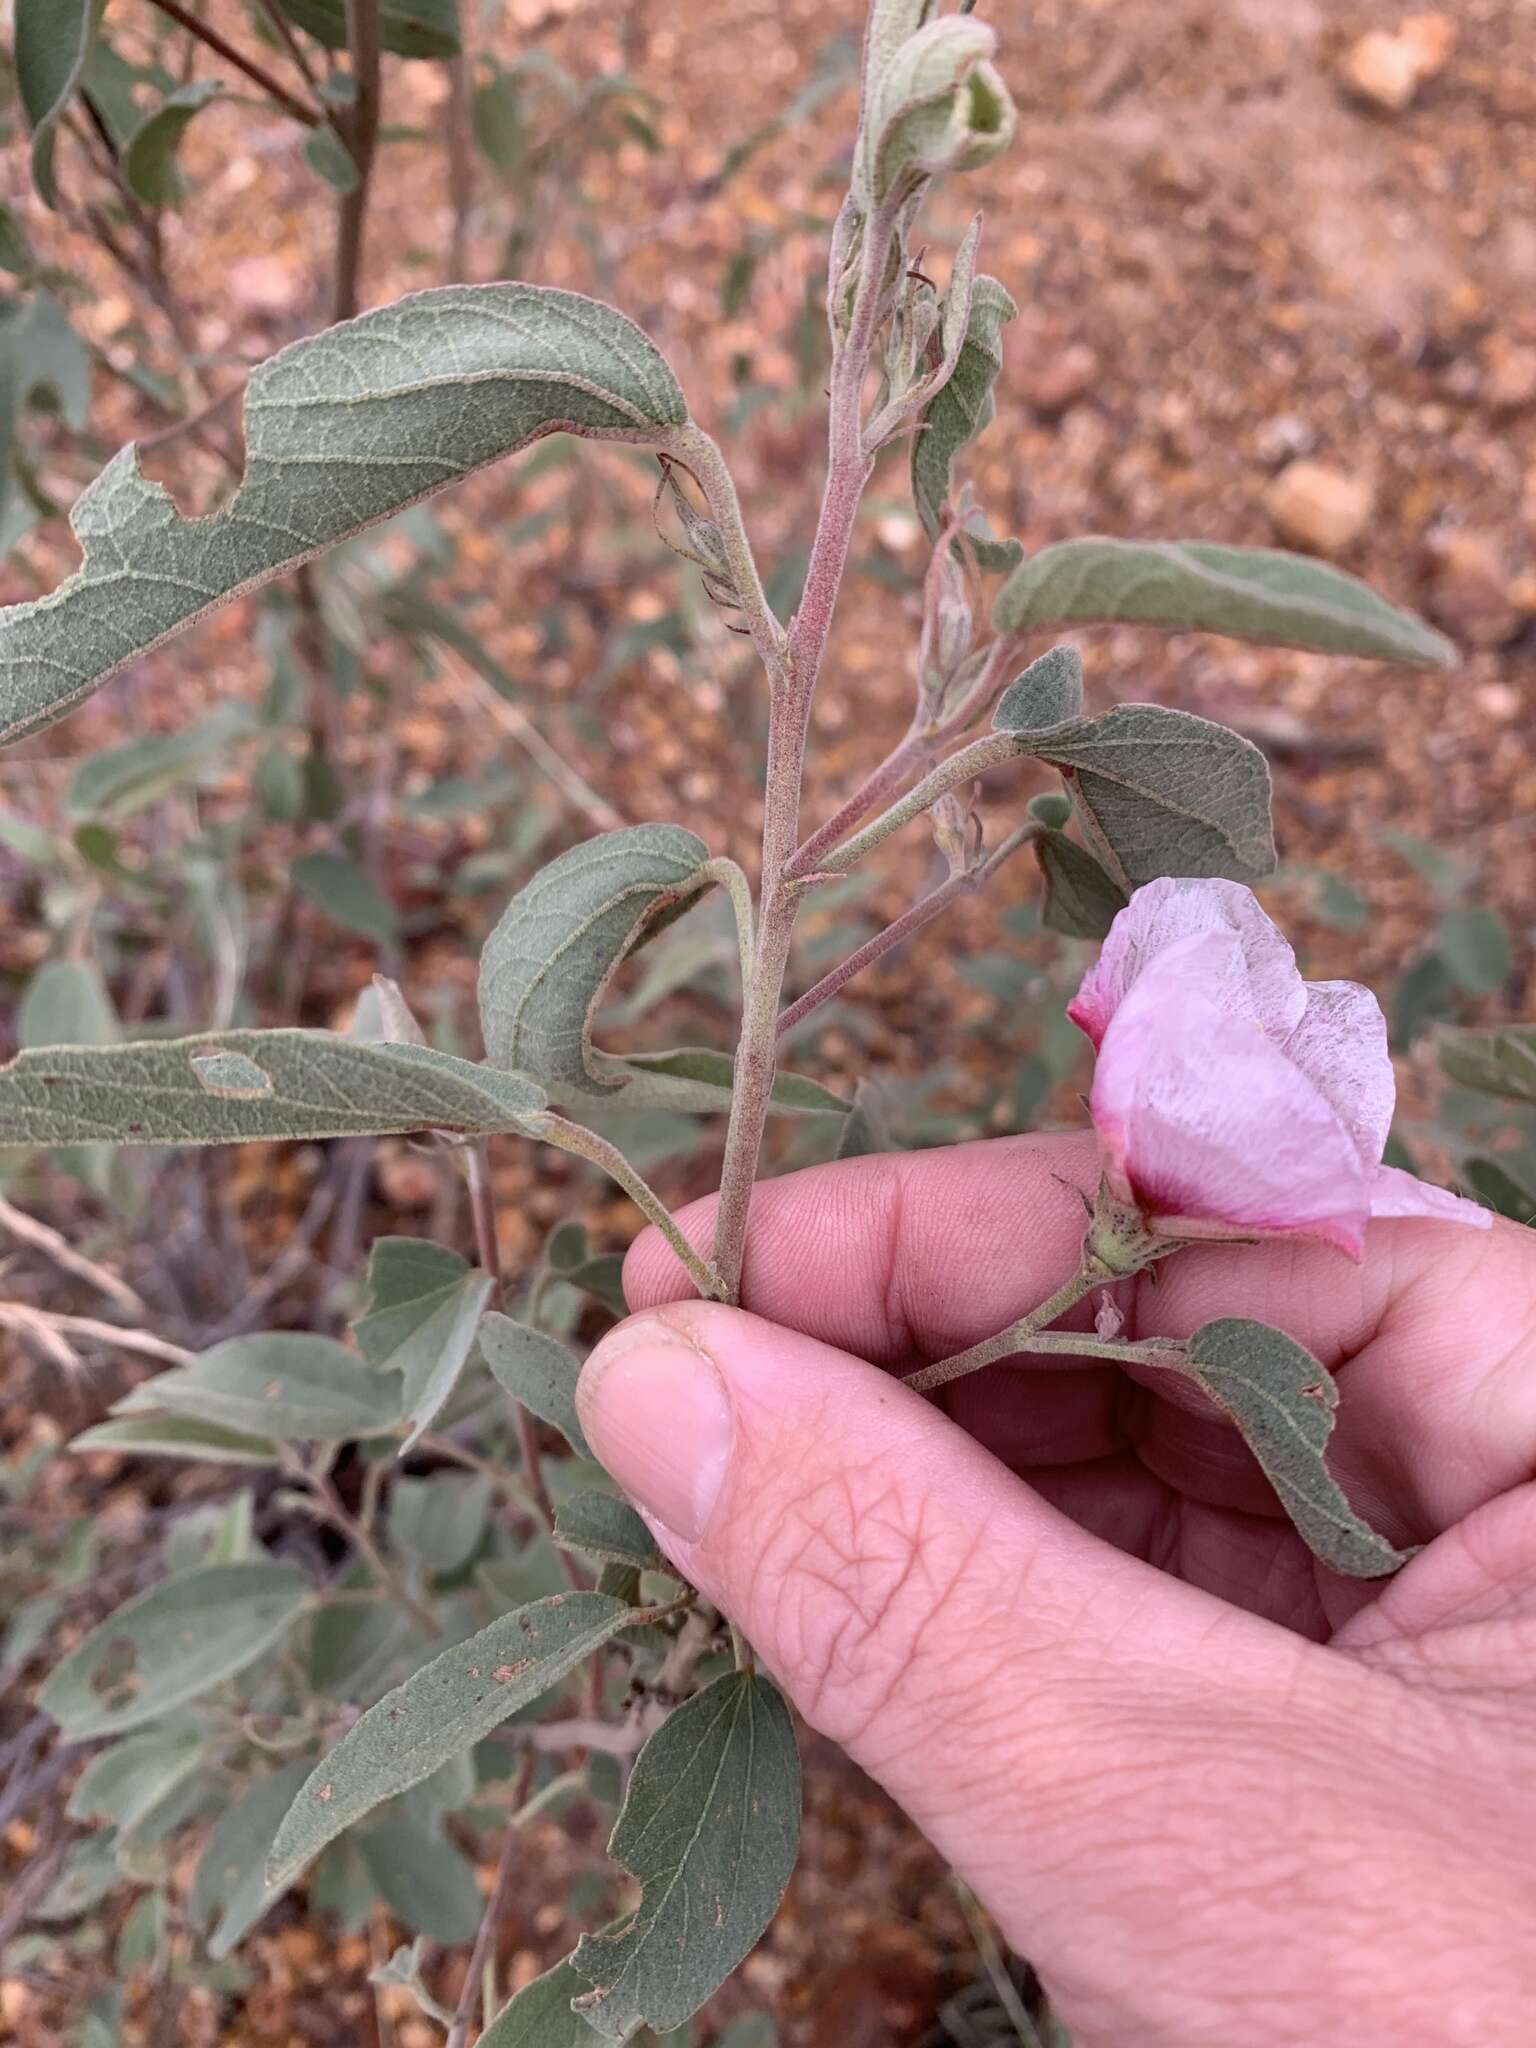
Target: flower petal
(1262,984)
(1395,1193)
(1341,1046)
(1204,1118)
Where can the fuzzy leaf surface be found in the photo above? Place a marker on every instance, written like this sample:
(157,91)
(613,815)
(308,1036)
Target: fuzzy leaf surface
(172,1644)
(602,1526)
(536,1370)
(282,1383)
(1264,594)
(1172,794)
(233,1087)
(540,2016)
(442,1709)
(953,419)
(710,1828)
(149,161)
(177,1436)
(1284,1402)
(1082,899)
(230,1892)
(52,43)
(343,429)
(424,1307)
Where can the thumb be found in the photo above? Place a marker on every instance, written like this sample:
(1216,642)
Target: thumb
(1046,1708)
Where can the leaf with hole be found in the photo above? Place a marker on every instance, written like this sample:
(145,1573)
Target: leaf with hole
(1497,1062)
(424,1307)
(442,1709)
(710,1827)
(602,1526)
(343,430)
(149,160)
(548,962)
(1283,1401)
(230,1892)
(235,1087)
(285,1384)
(538,1371)
(1263,594)
(171,1645)
(1166,792)
(52,41)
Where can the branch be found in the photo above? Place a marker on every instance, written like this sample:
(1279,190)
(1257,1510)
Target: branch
(273,87)
(991,751)
(496,1906)
(360,131)
(42,1238)
(585,1144)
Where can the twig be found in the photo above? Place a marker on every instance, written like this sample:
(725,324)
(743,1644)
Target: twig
(273,87)
(585,1144)
(360,131)
(329,1505)
(43,1238)
(496,1906)
(277,21)
(992,751)
(52,1330)
(461,153)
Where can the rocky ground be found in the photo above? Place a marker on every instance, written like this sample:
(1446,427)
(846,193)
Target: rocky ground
(1276,270)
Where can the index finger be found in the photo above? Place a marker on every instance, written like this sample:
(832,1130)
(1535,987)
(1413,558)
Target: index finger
(905,1257)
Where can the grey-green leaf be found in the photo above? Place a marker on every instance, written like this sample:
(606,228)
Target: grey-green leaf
(559,940)
(710,1828)
(440,1710)
(603,1526)
(699,1078)
(52,41)
(120,780)
(124,1784)
(1283,1401)
(536,1370)
(963,408)
(1048,692)
(172,1644)
(424,1307)
(343,430)
(348,894)
(177,1436)
(177,1091)
(66,1003)
(230,1892)
(149,160)
(1498,1062)
(1082,899)
(439,1520)
(422,1878)
(1473,941)
(1172,794)
(1262,594)
(540,2016)
(407,28)
(285,1384)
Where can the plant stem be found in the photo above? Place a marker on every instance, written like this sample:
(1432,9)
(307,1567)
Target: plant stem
(277,21)
(496,1906)
(273,87)
(1020,1337)
(585,1144)
(874,949)
(793,683)
(879,785)
(360,131)
(991,751)
(330,1506)
(739,889)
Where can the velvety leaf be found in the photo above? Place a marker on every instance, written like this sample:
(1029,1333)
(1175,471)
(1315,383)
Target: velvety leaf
(343,429)
(1048,692)
(540,2016)
(1172,794)
(604,1527)
(230,1892)
(1473,941)
(177,1436)
(964,407)
(285,1384)
(120,780)
(149,161)
(866,1130)
(66,1003)
(710,1828)
(1263,594)
(328,156)
(424,1308)
(209,1090)
(425,1882)
(407,28)
(171,1644)
(1497,1062)
(52,42)
(1283,1401)
(336,884)
(536,1370)
(124,1784)
(698,1078)
(43,364)
(440,1710)
(547,963)
(1082,900)
(439,1520)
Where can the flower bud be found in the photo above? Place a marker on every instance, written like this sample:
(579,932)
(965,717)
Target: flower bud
(956,833)
(939,105)
(1051,809)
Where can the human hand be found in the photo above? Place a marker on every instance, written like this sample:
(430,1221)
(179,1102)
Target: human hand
(1220,1797)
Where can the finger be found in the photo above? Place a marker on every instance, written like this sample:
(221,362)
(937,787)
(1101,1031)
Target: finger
(909,1256)
(1009,1678)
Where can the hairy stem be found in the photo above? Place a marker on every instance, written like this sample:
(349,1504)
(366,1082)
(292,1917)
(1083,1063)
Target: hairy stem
(585,1144)
(1020,1336)
(991,751)
(793,682)
(739,889)
(274,88)
(496,1906)
(360,132)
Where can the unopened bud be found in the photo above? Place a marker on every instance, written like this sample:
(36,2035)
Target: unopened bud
(1051,809)
(939,106)
(956,832)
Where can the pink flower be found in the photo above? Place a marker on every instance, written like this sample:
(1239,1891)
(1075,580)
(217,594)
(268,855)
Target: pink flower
(1231,1097)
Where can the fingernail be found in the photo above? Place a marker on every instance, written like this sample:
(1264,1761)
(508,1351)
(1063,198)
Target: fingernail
(657,1414)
